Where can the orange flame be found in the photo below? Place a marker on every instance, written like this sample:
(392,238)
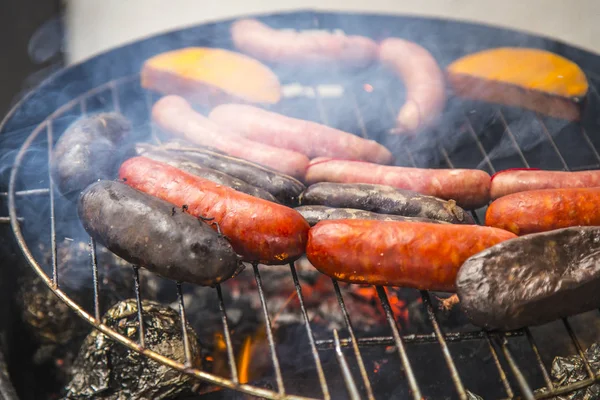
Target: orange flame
(244,360)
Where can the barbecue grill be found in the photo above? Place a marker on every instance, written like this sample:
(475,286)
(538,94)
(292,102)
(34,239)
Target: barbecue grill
(473,135)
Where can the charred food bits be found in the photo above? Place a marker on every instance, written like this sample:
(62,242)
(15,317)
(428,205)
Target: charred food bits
(105,369)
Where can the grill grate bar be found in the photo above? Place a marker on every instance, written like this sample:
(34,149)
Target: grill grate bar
(445,350)
(52,211)
(507,388)
(523,385)
(359,359)
(30,192)
(95,277)
(512,137)
(486,157)
(271,340)
(359,117)
(114,91)
(412,382)
(319,101)
(186,340)
(138,298)
(539,359)
(413,338)
(309,332)
(227,337)
(348,379)
(577,345)
(589,142)
(552,142)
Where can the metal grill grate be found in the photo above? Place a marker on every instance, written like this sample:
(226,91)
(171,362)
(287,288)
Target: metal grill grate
(498,344)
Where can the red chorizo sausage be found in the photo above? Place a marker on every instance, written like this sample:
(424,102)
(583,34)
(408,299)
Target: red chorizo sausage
(175,115)
(258,230)
(513,181)
(302,136)
(468,187)
(545,210)
(302,48)
(412,254)
(423,79)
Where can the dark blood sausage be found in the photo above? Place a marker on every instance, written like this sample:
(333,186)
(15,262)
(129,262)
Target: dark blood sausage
(259,230)
(532,280)
(545,210)
(513,181)
(385,200)
(411,254)
(213,175)
(470,188)
(144,231)
(315,214)
(305,137)
(87,151)
(302,49)
(285,188)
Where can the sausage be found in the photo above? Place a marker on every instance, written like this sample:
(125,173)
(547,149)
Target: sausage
(285,188)
(302,49)
(470,188)
(305,137)
(545,210)
(423,79)
(315,214)
(533,279)
(385,200)
(213,175)
(518,180)
(175,115)
(393,253)
(87,151)
(146,231)
(259,230)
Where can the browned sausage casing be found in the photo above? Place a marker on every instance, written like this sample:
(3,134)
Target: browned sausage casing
(513,181)
(258,230)
(545,210)
(468,187)
(411,254)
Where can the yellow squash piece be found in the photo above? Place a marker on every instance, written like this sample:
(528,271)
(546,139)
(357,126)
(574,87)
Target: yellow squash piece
(529,78)
(209,77)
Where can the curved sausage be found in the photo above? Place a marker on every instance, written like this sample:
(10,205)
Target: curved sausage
(423,79)
(545,210)
(410,254)
(259,230)
(305,137)
(532,280)
(284,187)
(213,175)
(145,231)
(87,151)
(175,115)
(385,200)
(315,214)
(302,48)
(470,188)
(513,181)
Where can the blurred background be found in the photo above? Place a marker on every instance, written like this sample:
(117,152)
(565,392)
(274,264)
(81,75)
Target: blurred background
(38,37)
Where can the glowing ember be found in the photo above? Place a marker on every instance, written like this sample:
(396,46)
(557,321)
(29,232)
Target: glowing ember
(368,88)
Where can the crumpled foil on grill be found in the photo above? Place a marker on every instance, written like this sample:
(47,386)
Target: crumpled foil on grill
(571,369)
(105,369)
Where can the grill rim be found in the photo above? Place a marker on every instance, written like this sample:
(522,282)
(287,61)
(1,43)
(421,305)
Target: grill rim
(494,339)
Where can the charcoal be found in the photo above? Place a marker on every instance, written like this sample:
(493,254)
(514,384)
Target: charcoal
(571,369)
(105,369)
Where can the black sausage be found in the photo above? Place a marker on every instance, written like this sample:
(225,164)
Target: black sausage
(315,214)
(385,200)
(151,233)
(533,279)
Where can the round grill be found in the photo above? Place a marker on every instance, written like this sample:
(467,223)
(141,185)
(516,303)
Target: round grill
(472,142)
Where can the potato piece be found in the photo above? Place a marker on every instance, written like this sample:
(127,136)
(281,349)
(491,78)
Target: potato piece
(529,78)
(209,77)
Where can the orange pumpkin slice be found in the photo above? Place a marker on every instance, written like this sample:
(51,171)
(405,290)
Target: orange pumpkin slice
(533,79)
(209,77)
